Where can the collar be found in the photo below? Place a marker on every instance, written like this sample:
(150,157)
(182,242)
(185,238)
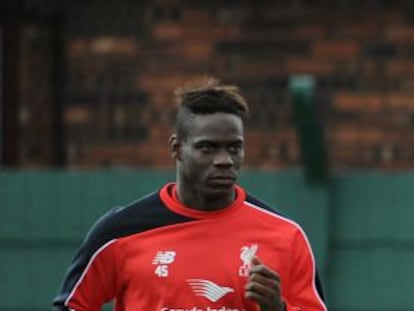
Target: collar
(169,197)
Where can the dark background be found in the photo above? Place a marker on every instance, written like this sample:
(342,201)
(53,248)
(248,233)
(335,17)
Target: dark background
(86,109)
(89,83)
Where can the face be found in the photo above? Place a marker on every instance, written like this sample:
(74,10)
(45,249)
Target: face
(210,157)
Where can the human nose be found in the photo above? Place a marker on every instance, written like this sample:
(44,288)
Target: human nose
(223,158)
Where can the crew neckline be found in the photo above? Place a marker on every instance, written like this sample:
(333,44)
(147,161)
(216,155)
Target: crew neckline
(168,195)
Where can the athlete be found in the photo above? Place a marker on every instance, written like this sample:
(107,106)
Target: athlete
(200,243)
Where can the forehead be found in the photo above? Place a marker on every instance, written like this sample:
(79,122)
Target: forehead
(218,127)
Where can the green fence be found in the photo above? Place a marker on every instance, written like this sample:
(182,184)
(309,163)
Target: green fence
(360,225)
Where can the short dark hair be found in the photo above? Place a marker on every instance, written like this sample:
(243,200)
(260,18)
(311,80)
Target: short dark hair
(207,96)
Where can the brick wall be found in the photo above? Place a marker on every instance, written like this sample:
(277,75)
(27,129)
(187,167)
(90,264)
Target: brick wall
(124,59)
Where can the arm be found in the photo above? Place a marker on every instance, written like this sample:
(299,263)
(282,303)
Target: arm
(264,285)
(302,260)
(303,293)
(91,279)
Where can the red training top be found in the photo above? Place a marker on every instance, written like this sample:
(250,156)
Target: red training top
(156,254)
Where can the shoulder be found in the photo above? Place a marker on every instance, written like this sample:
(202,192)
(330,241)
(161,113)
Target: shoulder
(260,203)
(120,221)
(146,213)
(272,214)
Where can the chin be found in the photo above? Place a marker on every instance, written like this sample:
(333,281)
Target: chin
(222,190)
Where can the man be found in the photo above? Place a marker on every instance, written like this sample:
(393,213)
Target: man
(201,243)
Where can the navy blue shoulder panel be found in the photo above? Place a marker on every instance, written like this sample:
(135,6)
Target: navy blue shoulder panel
(260,203)
(141,215)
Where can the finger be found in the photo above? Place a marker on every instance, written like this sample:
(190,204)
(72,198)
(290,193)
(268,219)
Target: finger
(265,281)
(259,299)
(265,271)
(263,286)
(256,261)
(262,289)
(260,268)
(264,296)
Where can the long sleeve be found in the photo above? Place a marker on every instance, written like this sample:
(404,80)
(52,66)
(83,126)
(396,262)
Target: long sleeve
(91,279)
(97,273)
(303,292)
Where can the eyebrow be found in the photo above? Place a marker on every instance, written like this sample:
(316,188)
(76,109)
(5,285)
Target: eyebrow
(211,141)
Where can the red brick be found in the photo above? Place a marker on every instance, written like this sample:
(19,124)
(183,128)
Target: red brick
(259,69)
(335,49)
(400,33)
(366,30)
(351,133)
(370,135)
(263,146)
(399,68)
(106,154)
(77,48)
(163,82)
(307,32)
(166,3)
(162,99)
(197,17)
(391,16)
(208,32)
(399,100)
(167,31)
(353,145)
(77,115)
(274,11)
(309,66)
(159,134)
(114,45)
(406,84)
(162,156)
(194,50)
(342,133)
(371,68)
(359,102)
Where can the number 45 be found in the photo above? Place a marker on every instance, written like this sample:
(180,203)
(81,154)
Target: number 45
(161,271)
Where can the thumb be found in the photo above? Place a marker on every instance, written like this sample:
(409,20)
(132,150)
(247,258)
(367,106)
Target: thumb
(256,261)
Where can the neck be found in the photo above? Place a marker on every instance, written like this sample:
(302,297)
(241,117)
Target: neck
(196,200)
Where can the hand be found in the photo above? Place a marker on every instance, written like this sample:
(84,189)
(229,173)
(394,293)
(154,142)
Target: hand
(263,287)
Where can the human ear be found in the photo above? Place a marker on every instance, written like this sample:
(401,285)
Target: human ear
(175,147)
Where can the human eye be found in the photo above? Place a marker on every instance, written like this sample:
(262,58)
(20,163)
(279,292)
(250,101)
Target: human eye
(235,148)
(206,147)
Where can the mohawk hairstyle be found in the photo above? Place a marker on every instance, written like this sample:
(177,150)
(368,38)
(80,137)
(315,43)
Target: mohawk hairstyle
(207,96)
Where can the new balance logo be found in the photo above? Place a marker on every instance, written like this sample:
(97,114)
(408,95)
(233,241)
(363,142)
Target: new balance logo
(162,260)
(208,289)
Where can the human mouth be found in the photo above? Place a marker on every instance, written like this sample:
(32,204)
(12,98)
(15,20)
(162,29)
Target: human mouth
(223,180)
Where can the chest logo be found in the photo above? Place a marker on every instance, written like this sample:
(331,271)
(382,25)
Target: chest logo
(162,260)
(209,289)
(246,255)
